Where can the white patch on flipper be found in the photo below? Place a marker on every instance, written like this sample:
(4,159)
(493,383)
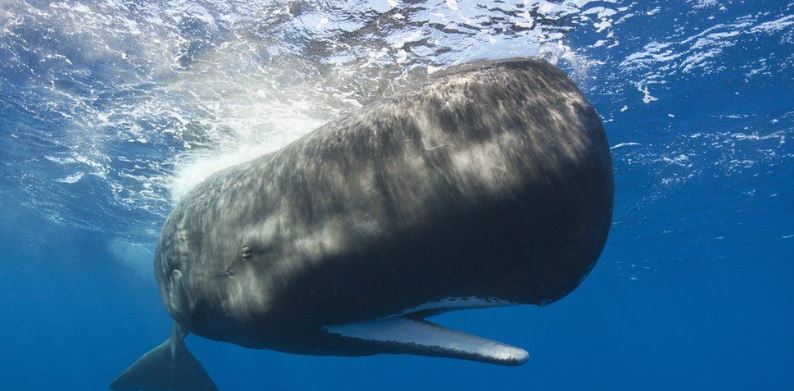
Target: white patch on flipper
(422,337)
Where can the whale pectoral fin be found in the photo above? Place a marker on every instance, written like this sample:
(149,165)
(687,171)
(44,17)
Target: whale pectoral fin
(409,335)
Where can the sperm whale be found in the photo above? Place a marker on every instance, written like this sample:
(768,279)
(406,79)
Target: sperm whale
(491,185)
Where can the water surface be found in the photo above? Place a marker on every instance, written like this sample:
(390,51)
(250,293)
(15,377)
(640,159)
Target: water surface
(110,111)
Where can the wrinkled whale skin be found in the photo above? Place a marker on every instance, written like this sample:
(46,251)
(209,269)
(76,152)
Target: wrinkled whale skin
(490,184)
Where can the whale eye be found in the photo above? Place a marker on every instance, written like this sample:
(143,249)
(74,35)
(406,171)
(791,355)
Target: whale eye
(245,253)
(176,274)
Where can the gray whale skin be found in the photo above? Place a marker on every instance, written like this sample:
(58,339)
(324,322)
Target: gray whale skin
(491,185)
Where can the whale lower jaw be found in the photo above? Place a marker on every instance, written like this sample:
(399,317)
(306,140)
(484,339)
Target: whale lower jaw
(409,333)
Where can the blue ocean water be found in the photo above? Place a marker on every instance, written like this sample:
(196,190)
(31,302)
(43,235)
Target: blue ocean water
(110,111)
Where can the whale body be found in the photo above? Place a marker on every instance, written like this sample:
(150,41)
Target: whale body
(490,185)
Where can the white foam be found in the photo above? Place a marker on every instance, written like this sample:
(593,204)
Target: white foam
(195,168)
(621,145)
(646,95)
(74,178)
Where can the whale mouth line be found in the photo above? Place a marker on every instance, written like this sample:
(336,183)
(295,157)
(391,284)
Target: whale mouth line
(448,304)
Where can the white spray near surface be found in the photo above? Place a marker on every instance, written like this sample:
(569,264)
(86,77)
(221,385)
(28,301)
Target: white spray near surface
(134,255)
(156,97)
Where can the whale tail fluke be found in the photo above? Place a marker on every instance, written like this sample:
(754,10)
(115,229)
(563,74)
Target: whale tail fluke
(169,366)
